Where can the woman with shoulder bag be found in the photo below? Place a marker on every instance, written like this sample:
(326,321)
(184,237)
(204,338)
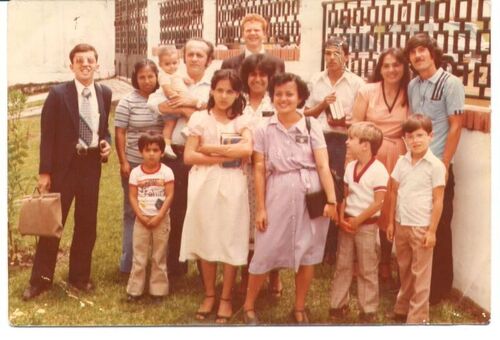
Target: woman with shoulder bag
(288,163)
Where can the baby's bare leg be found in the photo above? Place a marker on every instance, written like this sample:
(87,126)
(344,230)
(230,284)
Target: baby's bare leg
(168,129)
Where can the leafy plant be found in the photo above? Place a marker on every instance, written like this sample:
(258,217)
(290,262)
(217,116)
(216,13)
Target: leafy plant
(17,152)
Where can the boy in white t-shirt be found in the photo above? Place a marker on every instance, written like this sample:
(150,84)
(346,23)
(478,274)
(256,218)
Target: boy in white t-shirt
(173,84)
(151,190)
(416,197)
(365,187)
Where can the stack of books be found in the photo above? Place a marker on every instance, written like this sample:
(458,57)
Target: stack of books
(337,113)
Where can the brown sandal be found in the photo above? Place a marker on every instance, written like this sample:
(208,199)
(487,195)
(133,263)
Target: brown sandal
(203,315)
(222,319)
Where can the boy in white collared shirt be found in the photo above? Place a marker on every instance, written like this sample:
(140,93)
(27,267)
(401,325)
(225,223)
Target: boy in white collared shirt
(365,181)
(416,205)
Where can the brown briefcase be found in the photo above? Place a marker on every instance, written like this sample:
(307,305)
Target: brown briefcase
(41,215)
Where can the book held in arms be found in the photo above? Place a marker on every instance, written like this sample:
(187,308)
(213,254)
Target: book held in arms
(231,138)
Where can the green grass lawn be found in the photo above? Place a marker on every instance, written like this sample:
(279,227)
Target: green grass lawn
(106,305)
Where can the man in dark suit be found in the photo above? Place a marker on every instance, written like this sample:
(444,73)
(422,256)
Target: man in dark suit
(74,141)
(253,28)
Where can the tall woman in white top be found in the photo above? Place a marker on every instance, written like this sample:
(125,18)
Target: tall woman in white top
(217,216)
(256,73)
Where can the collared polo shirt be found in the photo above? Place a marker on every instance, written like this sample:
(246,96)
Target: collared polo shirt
(363,183)
(345,88)
(416,182)
(438,97)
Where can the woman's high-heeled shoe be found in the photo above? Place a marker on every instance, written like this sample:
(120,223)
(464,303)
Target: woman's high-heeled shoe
(222,319)
(203,315)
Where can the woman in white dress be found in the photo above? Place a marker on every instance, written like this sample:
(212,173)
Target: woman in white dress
(217,216)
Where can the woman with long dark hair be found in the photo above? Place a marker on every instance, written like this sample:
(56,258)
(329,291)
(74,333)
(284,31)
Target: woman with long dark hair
(217,216)
(384,102)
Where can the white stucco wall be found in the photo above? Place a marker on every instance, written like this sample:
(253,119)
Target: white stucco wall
(471,224)
(42,33)
(311,21)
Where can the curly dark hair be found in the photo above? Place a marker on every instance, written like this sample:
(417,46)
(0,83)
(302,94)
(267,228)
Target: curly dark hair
(256,62)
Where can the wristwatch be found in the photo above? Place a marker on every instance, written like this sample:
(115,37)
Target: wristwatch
(199,104)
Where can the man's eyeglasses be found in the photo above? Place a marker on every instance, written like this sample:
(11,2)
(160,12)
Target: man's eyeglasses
(82,60)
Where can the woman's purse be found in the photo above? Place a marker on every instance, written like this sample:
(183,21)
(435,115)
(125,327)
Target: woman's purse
(41,215)
(316,201)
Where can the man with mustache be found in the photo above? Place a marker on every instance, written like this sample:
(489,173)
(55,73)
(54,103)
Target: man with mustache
(335,87)
(439,95)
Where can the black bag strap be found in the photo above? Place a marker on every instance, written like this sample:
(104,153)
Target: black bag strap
(337,180)
(308,125)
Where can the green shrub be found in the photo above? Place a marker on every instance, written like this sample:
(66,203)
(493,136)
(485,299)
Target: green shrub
(17,153)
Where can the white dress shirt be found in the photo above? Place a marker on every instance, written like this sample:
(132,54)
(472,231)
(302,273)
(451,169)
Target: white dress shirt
(345,88)
(416,183)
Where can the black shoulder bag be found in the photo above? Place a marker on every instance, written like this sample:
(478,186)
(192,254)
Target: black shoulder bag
(316,201)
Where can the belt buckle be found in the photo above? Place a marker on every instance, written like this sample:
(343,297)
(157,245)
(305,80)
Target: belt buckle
(81,150)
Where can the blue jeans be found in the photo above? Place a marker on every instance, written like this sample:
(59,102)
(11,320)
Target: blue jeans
(128,228)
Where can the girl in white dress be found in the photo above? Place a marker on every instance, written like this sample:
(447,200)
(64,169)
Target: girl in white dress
(217,216)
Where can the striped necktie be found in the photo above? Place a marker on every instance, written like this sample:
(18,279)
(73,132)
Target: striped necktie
(85,130)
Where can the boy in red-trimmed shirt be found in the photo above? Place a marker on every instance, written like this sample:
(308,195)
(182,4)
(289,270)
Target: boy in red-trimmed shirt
(365,181)
(151,190)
